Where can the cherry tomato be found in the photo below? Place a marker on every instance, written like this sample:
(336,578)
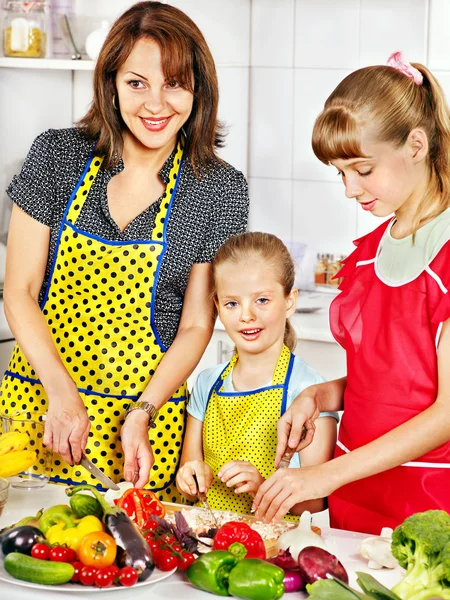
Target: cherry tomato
(114,570)
(152,543)
(150,525)
(62,554)
(165,560)
(77,565)
(184,562)
(97,549)
(87,575)
(41,551)
(104,577)
(128,576)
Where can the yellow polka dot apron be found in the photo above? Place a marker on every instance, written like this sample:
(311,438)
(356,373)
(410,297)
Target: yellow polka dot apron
(242,426)
(99,305)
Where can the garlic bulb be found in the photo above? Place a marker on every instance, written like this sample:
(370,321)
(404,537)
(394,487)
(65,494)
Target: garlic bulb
(377,550)
(300,537)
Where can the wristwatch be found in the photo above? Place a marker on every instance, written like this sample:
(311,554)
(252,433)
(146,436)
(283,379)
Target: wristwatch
(146,407)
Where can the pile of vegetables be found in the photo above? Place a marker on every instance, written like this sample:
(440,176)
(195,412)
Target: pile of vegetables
(88,542)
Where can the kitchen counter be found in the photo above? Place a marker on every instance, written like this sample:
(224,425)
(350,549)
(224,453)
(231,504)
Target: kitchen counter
(22,503)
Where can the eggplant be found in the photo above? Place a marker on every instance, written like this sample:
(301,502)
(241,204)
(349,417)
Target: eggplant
(21,539)
(132,549)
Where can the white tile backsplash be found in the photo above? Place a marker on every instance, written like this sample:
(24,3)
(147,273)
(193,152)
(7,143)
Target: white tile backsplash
(271,206)
(225,25)
(323,218)
(271,107)
(233,112)
(327,33)
(391,25)
(439,38)
(312,88)
(272,39)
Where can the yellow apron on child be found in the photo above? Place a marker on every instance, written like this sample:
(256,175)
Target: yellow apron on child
(242,426)
(99,306)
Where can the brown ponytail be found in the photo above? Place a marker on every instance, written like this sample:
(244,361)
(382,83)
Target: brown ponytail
(272,250)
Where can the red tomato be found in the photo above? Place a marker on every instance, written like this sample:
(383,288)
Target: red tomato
(104,577)
(114,570)
(152,543)
(184,562)
(128,576)
(62,554)
(77,565)
(87,575)
(150,525)
(165,560)
(41,551)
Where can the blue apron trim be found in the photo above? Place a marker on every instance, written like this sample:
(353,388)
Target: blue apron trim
(70,482)
(92,392)
(218,380)
(160,260)
(250,392)
(63,222)
(113,242)
(286,384)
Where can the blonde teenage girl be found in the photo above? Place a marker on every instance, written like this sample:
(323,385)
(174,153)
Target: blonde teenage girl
(231,429)
(386,129)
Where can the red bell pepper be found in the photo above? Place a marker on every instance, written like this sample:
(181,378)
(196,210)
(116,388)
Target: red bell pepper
(234,531)
(140,504)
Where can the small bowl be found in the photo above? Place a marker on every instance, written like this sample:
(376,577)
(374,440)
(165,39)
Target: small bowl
(4,488)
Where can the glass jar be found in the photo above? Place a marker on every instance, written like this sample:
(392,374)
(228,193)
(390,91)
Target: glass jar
(25,28)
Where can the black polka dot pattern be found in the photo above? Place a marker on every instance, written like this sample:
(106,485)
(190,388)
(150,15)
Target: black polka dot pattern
(242,426)
(98,309)
(205,212)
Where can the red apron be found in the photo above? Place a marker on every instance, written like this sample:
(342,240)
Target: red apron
(390,334)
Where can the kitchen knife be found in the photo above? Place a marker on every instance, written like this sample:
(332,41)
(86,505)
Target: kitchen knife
(289,453)
(95,471)
(204,501)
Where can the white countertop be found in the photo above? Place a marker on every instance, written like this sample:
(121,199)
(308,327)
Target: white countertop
(21,503)
(312,326)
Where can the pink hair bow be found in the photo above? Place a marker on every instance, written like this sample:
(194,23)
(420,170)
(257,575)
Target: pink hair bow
(397,61)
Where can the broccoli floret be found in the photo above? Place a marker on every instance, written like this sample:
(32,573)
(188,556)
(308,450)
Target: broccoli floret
(421,544)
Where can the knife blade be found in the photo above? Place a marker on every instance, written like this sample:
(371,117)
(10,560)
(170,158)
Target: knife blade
(289,453)
(202,497)
(95,471)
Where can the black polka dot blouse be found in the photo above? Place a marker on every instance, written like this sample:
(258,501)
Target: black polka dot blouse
(204,214)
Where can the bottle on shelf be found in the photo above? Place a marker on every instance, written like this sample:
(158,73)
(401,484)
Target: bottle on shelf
(25,27)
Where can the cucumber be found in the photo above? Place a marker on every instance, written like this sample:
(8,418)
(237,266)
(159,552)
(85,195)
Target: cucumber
(84,505)
(35,570)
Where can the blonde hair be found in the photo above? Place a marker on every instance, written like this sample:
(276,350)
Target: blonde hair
(395,105)
(270,249)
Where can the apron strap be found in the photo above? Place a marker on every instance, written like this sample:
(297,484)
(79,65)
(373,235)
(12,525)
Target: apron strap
(81,191)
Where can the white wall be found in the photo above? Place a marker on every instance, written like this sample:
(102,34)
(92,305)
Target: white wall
(314,44)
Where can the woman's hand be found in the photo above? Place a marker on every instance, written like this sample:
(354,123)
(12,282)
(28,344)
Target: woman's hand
(185,478)
(138,455)
(287,487)
(242,475)
(67,425)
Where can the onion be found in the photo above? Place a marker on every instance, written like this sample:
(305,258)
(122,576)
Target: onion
(293,581)
(317,563)
(300,537)
(284,560)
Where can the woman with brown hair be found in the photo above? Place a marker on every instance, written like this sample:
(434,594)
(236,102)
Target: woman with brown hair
(114,226)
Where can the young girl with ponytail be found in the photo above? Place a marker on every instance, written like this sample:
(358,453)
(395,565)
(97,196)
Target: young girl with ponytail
(386,129)
(231,434)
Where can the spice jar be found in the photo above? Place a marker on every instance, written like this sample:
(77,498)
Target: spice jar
(25,29)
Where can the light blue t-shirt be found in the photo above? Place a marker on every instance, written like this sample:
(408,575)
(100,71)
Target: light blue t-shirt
(302,376)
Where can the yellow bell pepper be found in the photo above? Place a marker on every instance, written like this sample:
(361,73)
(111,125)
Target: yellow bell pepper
(71,537)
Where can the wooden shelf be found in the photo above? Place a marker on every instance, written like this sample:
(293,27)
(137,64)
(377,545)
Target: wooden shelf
(65,64)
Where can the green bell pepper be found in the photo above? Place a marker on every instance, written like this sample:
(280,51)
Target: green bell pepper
(56,514)
(210,572)
(255,579)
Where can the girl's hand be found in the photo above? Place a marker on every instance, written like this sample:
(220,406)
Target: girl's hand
(287,487)
(185,478)
(137,451)
(67,425)
(243,474)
